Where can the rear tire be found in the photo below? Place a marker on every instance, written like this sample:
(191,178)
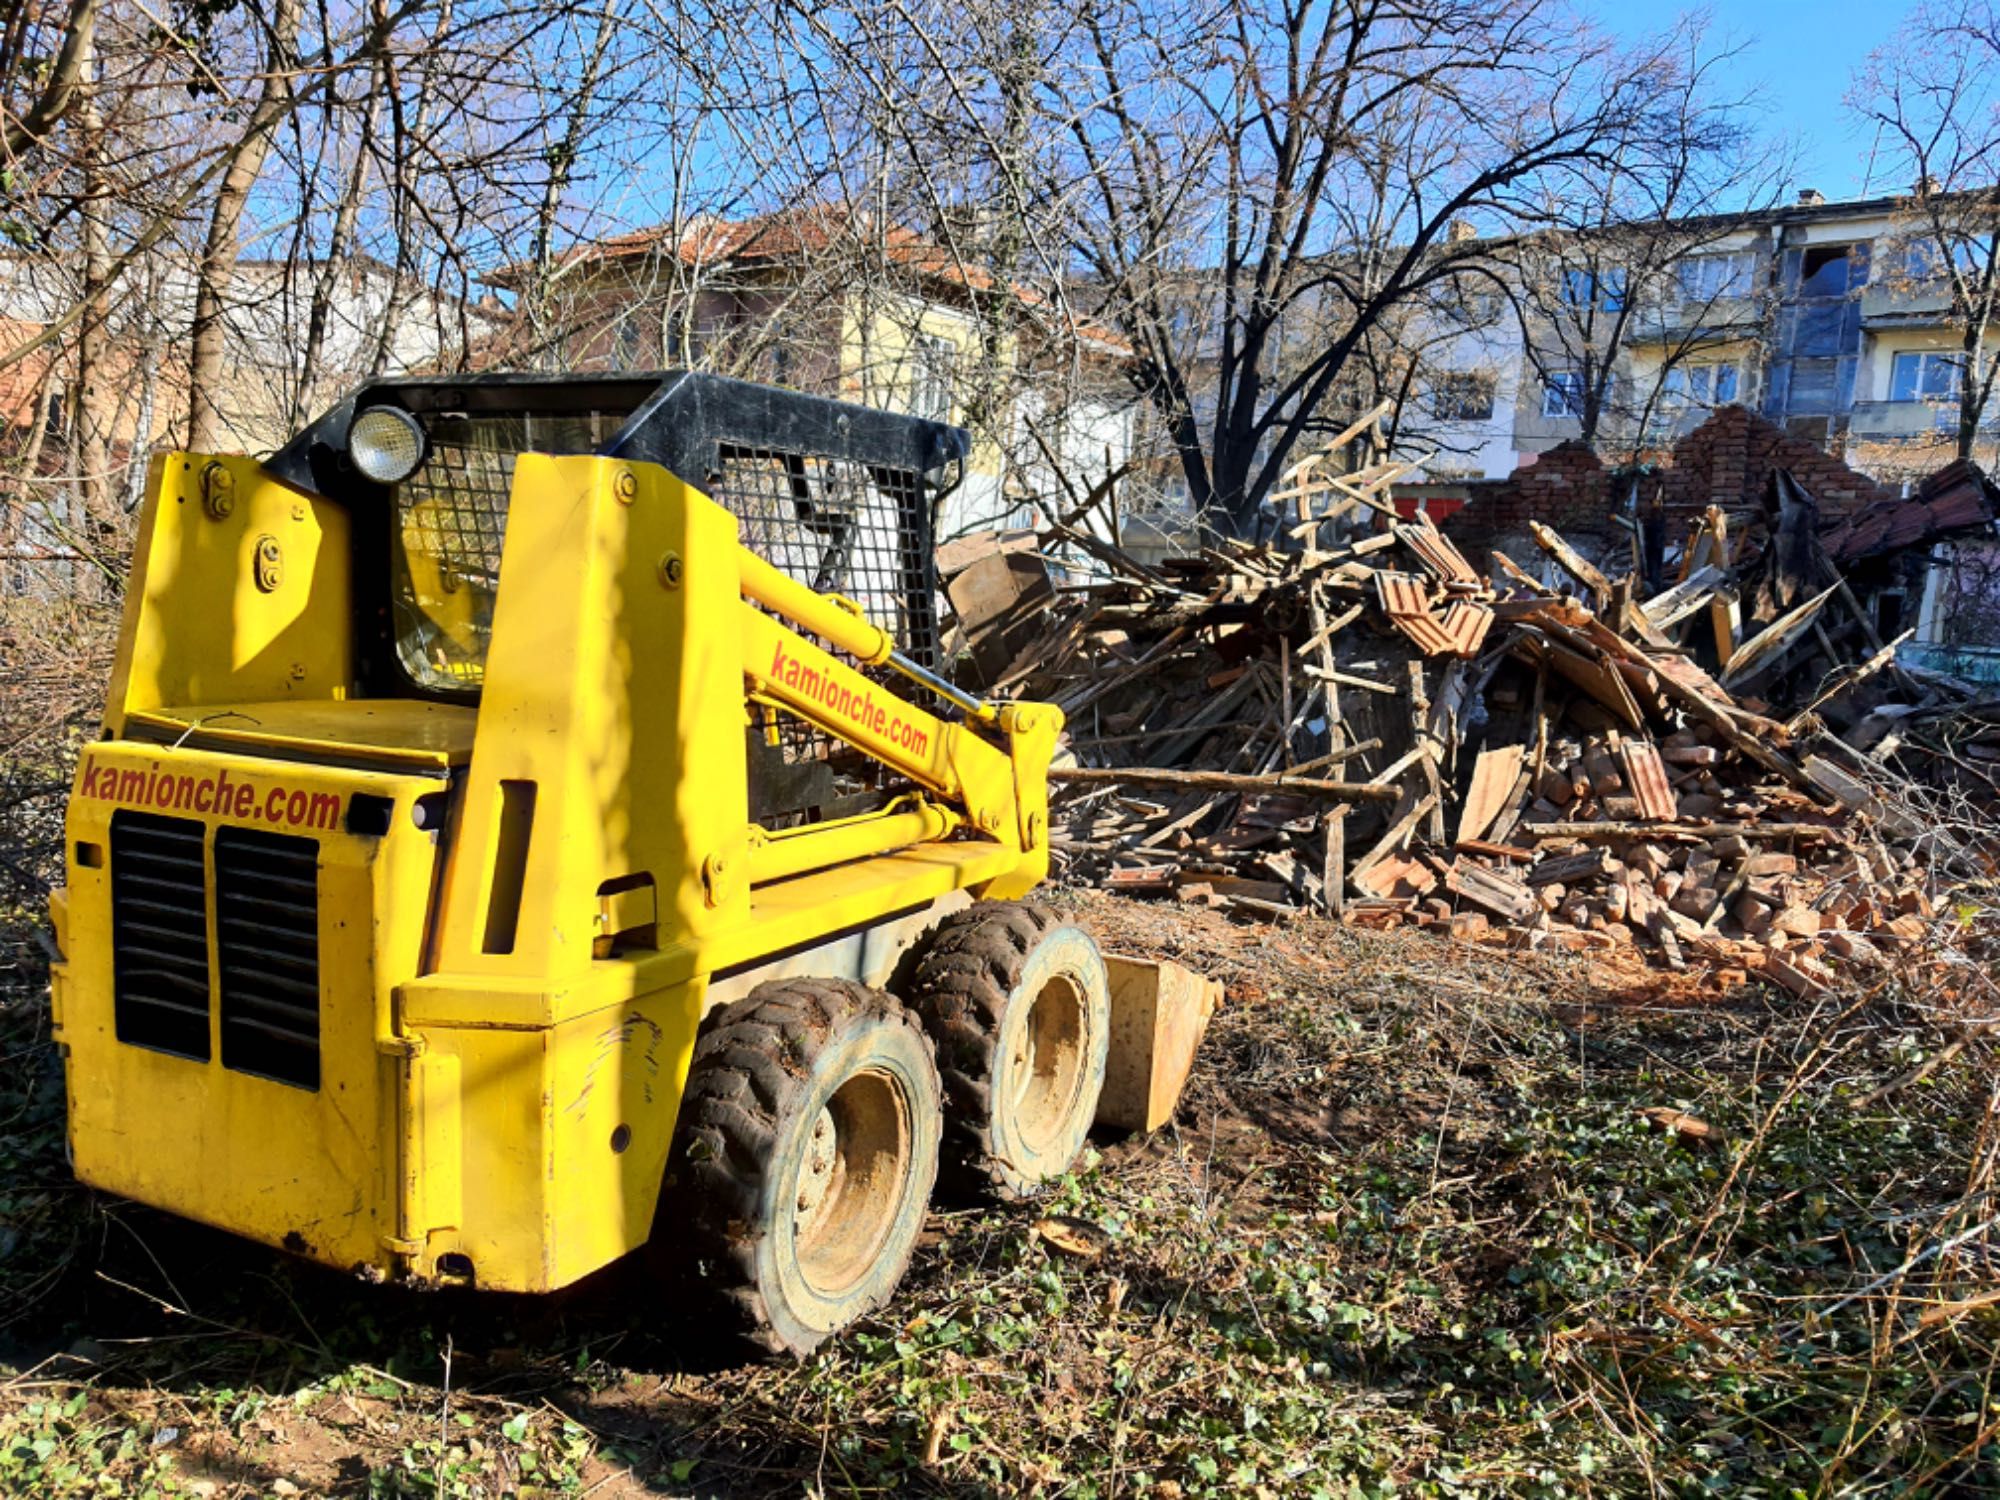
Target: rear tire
(803,1159)
(1019,1005)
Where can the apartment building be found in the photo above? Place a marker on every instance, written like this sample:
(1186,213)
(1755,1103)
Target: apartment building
(1830,319)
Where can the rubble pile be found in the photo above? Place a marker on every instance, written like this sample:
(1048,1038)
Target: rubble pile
(1533,754)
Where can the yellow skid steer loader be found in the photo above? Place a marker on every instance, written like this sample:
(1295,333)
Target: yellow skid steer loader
(529,824)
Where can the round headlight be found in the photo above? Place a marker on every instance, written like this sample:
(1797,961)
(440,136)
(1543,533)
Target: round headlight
(386,443)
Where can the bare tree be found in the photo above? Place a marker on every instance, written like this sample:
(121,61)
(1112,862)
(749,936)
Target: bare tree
(1933,94)
(1625,292)
(243,161)
(1249,193)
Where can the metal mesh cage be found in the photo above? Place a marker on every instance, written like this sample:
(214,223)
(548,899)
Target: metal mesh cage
(834,494)
(451,518)
(838,527)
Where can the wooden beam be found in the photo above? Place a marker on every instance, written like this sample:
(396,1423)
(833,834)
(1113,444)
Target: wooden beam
(1571,561)
(1223,781)
(1697,832)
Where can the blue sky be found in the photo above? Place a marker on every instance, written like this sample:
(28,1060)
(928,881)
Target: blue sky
(1796,56)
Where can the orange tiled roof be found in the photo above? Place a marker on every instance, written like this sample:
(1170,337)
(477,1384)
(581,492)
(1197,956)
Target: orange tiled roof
(794,233)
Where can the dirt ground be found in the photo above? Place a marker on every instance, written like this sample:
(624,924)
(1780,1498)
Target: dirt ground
(1409,1234)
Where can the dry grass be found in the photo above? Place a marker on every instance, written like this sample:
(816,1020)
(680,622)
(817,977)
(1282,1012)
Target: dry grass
(1409,1234)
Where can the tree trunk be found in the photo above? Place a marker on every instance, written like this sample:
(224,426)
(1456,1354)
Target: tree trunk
(68,81)
(562,162)
(218,260)
(1973,385)
(91,407)
(325,284)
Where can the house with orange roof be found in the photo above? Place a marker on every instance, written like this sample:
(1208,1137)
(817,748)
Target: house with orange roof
(845,304)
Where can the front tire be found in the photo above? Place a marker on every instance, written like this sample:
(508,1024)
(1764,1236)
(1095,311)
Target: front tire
(803,1159)
(1019,1005)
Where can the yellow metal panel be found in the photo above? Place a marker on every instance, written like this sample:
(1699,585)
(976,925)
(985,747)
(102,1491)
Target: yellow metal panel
(433,1157)
(199,626)
(399,732)
(797,674)
(614,687)
(794,851)
(311,1170)
(564,1134)
(502,1174)
(773,917)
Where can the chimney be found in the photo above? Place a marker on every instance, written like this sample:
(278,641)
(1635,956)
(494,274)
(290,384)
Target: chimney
(1811,197)
(1461,230)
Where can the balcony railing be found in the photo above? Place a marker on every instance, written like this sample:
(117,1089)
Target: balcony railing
(1672,320)
(1907,304)
(1901,419)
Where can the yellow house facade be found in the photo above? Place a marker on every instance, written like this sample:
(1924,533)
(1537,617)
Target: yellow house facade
(836,304)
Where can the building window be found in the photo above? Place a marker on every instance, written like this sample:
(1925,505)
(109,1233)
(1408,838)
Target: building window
(1823,271)
(1713,383)
(1585,289)
(1462,396)
(1473,309)
(1706,278)
(1690,387)
(1923,260)
(1926,375)
(625,344)
(930,385)
(1562,393)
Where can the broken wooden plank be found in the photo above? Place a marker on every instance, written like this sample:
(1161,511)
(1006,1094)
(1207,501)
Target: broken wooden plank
(1322,633)
(1492,850)
(1856,795)
(1718,717)
(1725,620)
(1847,678)
(1568,869)
(1571,562)
(1222,781)
(1502,563)
(1347,679)
(1601,680)
(1688,597)
(1333,866)
(1423,734)
(1698,832)
(1490,891)
(1764,648)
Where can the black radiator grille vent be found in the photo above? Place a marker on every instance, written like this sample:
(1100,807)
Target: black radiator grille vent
(159,934)
(267,945)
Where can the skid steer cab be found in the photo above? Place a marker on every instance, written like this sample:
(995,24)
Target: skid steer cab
(529,826)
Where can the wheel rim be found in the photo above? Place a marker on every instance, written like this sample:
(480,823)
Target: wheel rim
(852,1177)
(1047,1063)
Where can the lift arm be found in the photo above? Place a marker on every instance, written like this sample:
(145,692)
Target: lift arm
(1000,792)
